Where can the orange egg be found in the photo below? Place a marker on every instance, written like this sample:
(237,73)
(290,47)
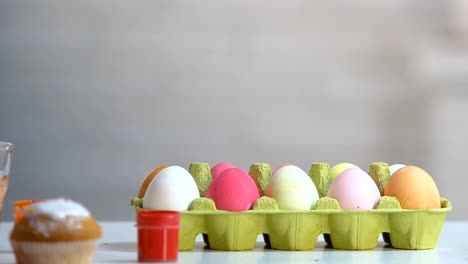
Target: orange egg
(414,188)
(149,178)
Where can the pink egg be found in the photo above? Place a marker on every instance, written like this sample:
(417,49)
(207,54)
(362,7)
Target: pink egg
(354,189)
(277,169)
(219,168)
(233,190)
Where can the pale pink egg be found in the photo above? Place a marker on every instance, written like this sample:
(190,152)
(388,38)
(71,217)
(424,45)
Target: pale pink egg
(354,189)
(217,169)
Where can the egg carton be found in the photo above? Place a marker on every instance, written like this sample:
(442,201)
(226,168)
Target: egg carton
(299,230)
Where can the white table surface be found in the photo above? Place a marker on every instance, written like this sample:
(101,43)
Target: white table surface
(118,245)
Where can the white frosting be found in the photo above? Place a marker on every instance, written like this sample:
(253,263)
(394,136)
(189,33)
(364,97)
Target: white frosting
(57,209)
(42,227)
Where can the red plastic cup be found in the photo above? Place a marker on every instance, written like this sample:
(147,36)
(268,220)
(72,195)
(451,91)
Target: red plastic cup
(158,235)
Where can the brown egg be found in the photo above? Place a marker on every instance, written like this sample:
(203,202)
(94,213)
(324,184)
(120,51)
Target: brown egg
(414,188)
(148,179)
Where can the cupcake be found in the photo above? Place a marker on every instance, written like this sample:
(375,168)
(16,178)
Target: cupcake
(55,231)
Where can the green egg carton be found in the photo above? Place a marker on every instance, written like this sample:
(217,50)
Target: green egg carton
(299,230)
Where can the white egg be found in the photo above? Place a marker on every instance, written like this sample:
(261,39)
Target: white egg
(172,189)
(292,189)
(393,168)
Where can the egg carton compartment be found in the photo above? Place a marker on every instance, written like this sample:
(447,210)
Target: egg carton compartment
(299,230)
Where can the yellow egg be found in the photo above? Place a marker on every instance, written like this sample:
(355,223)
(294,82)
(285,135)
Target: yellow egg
(339,168)
(414,188)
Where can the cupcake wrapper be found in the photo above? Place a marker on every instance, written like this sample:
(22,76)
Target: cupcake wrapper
(79,252)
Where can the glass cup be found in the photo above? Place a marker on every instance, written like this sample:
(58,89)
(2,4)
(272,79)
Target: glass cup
(5,161)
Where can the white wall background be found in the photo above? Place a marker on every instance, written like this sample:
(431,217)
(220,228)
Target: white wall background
(95,94)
